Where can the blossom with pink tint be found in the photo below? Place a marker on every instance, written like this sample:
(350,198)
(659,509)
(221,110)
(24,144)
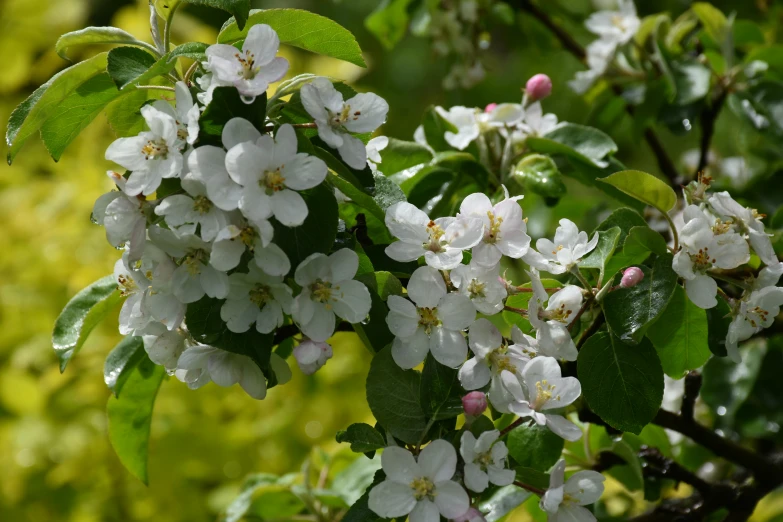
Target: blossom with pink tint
(491,107)
(538,87)
(471,515)
(631,277)
(474,403)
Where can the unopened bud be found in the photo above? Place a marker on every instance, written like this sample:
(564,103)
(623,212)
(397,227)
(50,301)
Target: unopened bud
(474,403)
(491,107)
(631,277)
(538,87)
(311,356)
(471,515)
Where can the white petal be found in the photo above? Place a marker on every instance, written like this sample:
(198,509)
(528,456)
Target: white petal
(353,153)
(426,287)
(425,511)
(475,479)
(438,461)
(448,347)
(456,312)
(391,499)
(351,301)
(474,374)
(304,172)
(239,130)
(411,351)
(321,324)
(451,499)
(563,427)
(344,263)
(289,208)
(399,465)
(253,381)
(585,486)
(701,290)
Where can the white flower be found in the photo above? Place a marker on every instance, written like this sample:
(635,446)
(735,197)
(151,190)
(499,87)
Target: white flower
(485,461)
(312,355)
(374,148)
(441,241)
(599,54)
(748,221)
(492,356)
(184,212)
(615,26)
(199,364)
(256,297)
(505,232)
(568,248)
(755,312)
(123,217)
(270,172)
(564,501)
(424,489)
(232,241)
(163,346)
(152,155)
(433,324)
(706,244)
(194,277)
(186,113)
(481,285)
(535,122)
(328,288)
(546,390)
(252,69)
(503,115)
(336,118)
(551,323)
(471,515)
(466,120)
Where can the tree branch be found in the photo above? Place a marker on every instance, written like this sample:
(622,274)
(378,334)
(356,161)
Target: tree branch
(665,163)
(708,119)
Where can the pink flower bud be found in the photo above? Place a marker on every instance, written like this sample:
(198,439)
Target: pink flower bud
(491,107)
(538,87)
(631,277)
(471,515)
(474,403)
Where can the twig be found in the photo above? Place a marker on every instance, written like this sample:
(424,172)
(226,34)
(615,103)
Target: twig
(708,119)
(511,426)
(519,311)
(270,128)
(692,387)
(538,491)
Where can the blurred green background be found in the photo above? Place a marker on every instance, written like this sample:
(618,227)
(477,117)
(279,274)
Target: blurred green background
(56,463)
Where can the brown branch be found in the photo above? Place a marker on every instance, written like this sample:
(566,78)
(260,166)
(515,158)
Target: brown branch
(708,118)
(692,388)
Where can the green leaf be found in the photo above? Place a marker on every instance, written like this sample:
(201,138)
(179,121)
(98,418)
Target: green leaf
(83,313)
(726,384)
(577,141)
(645,187)
(521,300)
(127,65)
(389,22)
(635,479)
(31,114)
(636,254)
(124,113)
(642,241)
(195,51)
(504,500)
(130,417)
(361,179)
(718,321)
(692,82)
(535,447)
(383,283)
(302,29)
(435,128)
(318,231)
(358,196)
(227,104)
(538,173)
(623,384)
(76,112)
(387,192)
(712,19)
(626,219)
(441,392)
(680,336)
(121,361)
(95,36)
(360,510)
(239,9)
(629,312)
(399,155)
(394,398)
(362,438)
(607,243)
(374,332)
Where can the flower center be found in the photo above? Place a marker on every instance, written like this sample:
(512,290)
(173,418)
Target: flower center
(757,316)
(248,236)
(194,259)
(202,205)
(248,62)
(557,249)
(422,488)
(321,291)
(499,360)
(126,285)
(701,260)
(476,289)
(260,295)
(154,149)
(338,119)
(721,227)
(619,22)
(272,181)
(561,313)
(493,233)
(428,318)
(543,394)
(435,233)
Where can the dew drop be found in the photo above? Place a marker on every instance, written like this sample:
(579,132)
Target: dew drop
(686,123)
(721,410)
(247,99)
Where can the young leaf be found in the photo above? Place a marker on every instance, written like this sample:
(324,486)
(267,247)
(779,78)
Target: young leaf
(394,398)
(96,36)
(399,155)
(130,417)
(387,192)
(83,313)
(389,22)
(239,9)
(622,384)
(607,243)
(301,29)
(583,143)
(645,187)
(121,361)
(642,241)
(712,19)
(534,447)
(630,311)
(31,114)
(441,392)
(718,321)
(195,51)
(358,196)
(362,438)
(680,336)
(538,173)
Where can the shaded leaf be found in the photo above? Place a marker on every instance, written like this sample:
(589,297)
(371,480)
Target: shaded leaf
(121,361)
(362,438)
(441,392)
(535,447)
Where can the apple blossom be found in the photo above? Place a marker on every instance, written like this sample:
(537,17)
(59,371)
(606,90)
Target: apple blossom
(551,323)
(564,500)
(328,289)
(421,489)
(312,355)
(568,248)
(124,218)
(441,241)
(256,297)
(232,241)
(615,26)
(474,403)
(748,221)
(336,118)
(755,312)
(539,86)
(485,461)
(466,122)
(481,285)
(163,346)
(433,322)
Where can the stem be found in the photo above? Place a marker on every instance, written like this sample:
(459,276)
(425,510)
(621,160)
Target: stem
(578,315)
(735,282)
(167,27)
(578,274)
(532,489)
(270,128)
(156,87)
(594,326)
(155,29)
(511,426)
(708,119)
(675,236)
(190,71)
(519,311)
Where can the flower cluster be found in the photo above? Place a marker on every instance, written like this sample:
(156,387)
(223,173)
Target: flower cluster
(444,296)
(718,237)
(209,230)
(614,29)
